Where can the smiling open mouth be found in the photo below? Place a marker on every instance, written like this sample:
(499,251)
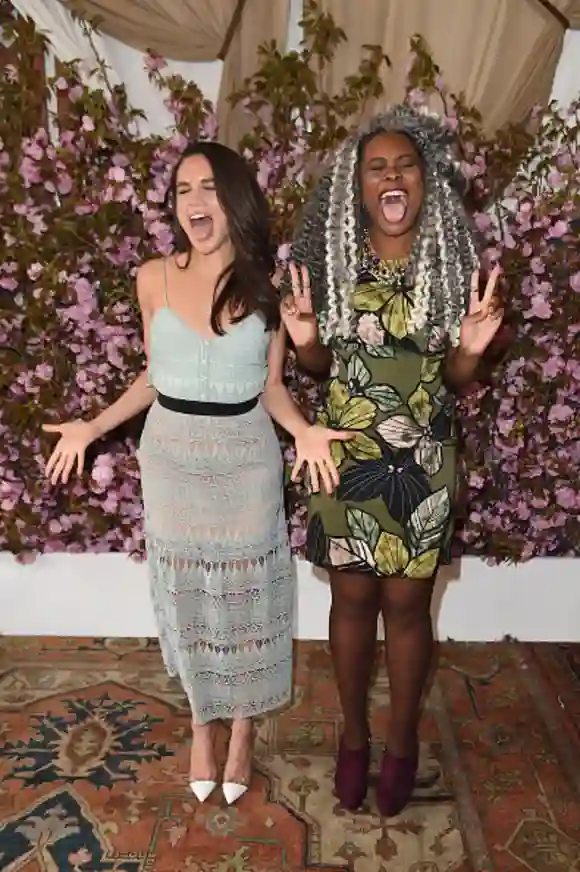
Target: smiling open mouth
(201,224)
(394,205)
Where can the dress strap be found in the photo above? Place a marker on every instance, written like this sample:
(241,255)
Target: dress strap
(165,283)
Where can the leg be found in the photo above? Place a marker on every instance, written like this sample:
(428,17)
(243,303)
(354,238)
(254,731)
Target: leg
(238,768)
(353,635)
(405,605)
(202,764)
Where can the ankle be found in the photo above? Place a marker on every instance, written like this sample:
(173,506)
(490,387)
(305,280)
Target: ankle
(355,738)
(402,744)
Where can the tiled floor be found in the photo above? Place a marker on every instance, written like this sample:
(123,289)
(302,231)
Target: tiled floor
(94,742)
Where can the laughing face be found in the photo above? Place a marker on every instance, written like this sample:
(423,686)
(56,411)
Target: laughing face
(197,206)
(392,186)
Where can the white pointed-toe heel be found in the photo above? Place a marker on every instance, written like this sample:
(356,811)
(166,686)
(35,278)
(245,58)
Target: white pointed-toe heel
(232,791)
(202,790)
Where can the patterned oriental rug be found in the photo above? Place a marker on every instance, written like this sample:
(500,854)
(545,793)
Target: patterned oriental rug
(94,744)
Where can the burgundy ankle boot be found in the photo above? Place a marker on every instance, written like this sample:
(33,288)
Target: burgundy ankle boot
(352,775)
(396,782)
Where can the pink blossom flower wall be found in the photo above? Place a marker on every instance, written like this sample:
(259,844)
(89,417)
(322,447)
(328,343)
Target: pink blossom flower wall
(81,209)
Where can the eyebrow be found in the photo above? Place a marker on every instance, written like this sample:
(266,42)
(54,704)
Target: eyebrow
(403,156)
(186,183)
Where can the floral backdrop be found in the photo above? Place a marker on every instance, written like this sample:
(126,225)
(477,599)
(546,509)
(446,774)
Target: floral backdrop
(80,208)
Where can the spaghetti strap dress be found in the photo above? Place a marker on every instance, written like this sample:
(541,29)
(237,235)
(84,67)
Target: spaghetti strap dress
(219,558)
(392,514)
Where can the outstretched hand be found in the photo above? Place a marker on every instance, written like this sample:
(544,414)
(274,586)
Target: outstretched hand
(313,450)
(70,450)
(484,317)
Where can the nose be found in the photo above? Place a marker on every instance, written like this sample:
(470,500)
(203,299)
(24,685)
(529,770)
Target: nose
(392,172)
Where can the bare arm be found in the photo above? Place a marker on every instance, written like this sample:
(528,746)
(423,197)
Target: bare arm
(315,359)
(276,397)
(313,442)
(138,396)
(461,369)
(76,436)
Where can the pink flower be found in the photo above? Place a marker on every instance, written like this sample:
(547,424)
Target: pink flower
(540,308)
(560,412)
(567,497)
(34,271)
(103,473)
(153,63)
(117,174)
(87,124)
(482,222)
(575,282)
(370,330)
(559,229)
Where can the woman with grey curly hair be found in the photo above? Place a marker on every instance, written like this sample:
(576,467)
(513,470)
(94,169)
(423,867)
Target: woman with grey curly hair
(395,323)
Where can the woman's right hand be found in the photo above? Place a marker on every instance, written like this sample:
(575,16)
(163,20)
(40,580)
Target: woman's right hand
(75,437)
(297,309)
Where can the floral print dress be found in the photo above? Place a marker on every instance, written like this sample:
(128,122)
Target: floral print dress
(392,512)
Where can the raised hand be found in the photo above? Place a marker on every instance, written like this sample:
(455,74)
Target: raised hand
(313,450)
(75,437)
(484,317)
(297,309)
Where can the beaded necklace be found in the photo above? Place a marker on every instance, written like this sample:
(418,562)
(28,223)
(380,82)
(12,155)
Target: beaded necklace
(388,272)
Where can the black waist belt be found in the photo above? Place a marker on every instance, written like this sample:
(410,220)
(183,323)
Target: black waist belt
(193,407)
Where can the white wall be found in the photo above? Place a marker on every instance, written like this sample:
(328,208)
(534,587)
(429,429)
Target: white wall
(107,594)
(128,66)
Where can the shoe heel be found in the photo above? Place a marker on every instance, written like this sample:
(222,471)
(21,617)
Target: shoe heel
(396,783)
(352,775)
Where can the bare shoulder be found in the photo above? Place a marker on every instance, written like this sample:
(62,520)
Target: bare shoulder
(149,279)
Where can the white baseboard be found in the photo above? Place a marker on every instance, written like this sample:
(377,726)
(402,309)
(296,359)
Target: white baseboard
(108,595)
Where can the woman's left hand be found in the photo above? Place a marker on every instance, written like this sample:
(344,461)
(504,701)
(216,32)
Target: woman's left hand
(313,451)
(484,318)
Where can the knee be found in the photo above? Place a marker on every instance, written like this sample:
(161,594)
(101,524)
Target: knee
(354,605)
(407,608)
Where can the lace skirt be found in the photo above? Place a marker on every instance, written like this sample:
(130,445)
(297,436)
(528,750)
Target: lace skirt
(222,581)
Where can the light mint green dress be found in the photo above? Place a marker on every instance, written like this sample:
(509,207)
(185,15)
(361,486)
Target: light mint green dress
(216,532)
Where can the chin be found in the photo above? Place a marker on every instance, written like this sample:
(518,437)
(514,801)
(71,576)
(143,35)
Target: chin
(209,246)
(394,231)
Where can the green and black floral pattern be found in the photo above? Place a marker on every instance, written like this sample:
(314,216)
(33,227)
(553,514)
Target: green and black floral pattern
(392,514)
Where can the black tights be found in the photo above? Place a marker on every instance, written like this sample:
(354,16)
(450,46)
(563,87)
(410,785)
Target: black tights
(357,600)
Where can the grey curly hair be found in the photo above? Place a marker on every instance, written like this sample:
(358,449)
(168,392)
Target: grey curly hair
(330,235)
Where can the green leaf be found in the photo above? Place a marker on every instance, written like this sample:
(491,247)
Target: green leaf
(357,371)
(430,368)
(424,565)
(420,406)
(363,526)
(362,447)
(427,524)
(395,316)
(380,351)
(370,298)
(391,555)
(386,397)
(357,414)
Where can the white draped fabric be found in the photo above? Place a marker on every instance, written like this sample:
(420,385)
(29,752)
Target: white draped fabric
(126,64)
